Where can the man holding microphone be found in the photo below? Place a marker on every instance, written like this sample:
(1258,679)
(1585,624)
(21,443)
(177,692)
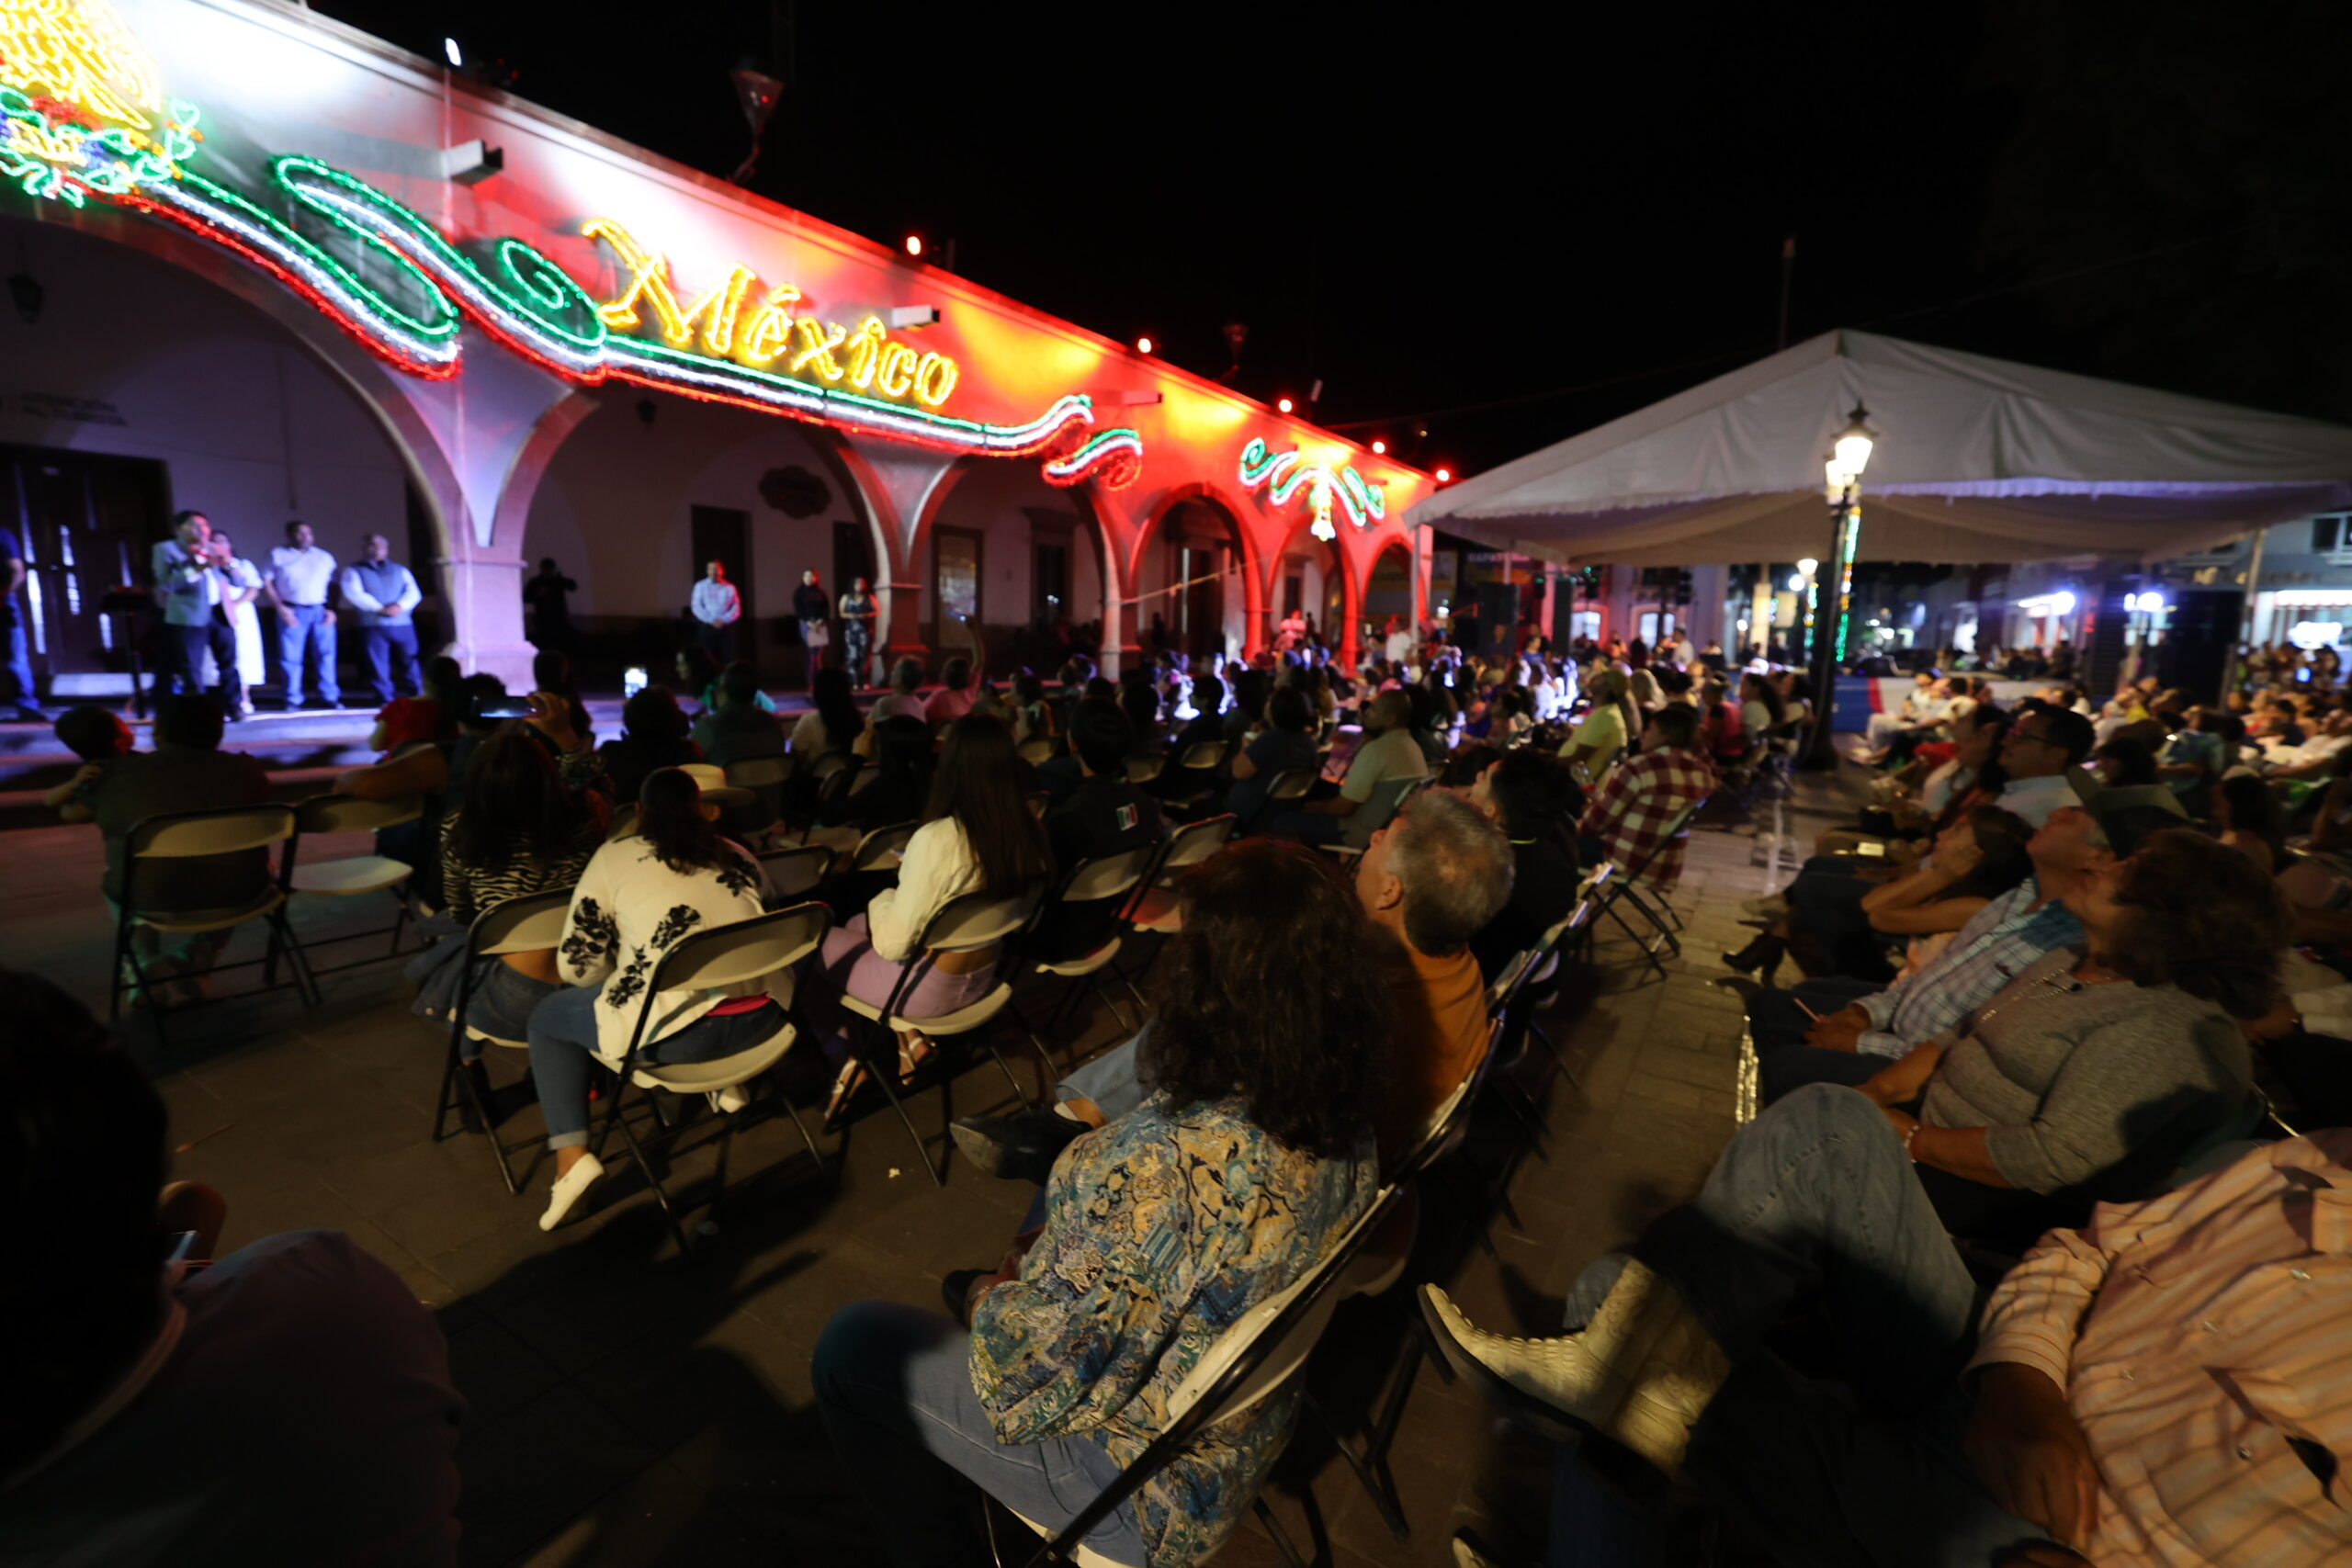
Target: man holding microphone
(192,583)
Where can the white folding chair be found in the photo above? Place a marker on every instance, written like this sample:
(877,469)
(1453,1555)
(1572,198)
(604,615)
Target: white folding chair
(1036,750)
(881,849)
(1142,770)
(354,876)
(1096,882)
(530,923)
(188,835)
(762,947)
(967,924)
(795,873)
(1379,809)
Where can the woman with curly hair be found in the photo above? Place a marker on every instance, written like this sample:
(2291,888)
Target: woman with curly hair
(1254,1153)
(677,875)
(2091,1073)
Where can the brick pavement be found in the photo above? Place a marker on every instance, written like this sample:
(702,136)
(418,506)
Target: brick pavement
(632,1408)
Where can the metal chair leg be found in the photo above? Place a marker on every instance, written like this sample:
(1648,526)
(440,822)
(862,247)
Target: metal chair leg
(637,1153)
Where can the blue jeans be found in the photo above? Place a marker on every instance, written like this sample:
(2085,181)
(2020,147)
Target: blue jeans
(1815,1200)
(1113,1080)
(563,1047)
(312,631)
(894,1385)
(500,1004)
(16,684)
(386,646)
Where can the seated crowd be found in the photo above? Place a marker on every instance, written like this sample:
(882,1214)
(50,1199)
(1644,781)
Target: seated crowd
(2025,1048)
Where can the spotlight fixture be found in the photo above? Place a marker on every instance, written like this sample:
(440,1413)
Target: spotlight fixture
(470,162)
(1379,447)
(456,56)
(905,318)
(1283,405)
(1143,345)
(914,245)
(1445,476)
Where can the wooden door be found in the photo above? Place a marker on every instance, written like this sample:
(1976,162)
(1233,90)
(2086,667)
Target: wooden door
(724,534)
(955,565)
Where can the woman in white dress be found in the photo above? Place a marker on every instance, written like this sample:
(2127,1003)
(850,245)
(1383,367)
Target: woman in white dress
(244,619)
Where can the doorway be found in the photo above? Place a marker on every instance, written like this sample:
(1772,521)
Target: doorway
(724,534)
(1049,579)
(1199,629)
(852,556)
(86,523)
(956,558)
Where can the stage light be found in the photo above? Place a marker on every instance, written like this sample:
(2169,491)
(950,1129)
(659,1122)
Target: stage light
(1283,405)
(456,56)
(1443,475)
(1143,345)
(1379,447)
(914,244)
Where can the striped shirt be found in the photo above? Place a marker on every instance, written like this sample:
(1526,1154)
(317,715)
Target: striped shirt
(1999,942)
(2204,1340)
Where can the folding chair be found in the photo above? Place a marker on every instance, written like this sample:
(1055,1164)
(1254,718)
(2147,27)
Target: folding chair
(1622,888)
(1142,770)
(531,923)
(1444,1135)
(1156,908)
(754,948)
(795,873)
(881,849)
(1036,750)
(1256,1359)
(964,925)
(1097,881)
(767,778)
(1201,762)
(355,875)
(187,835)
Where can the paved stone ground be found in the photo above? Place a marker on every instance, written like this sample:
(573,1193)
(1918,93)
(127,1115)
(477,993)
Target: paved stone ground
(629,1408)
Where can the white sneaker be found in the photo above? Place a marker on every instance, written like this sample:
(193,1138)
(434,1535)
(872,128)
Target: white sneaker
(569,1188)
(1769,907)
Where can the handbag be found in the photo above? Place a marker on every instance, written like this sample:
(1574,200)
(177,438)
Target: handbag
(816,634)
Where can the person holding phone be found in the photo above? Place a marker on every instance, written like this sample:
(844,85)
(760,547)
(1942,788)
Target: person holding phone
(961,682)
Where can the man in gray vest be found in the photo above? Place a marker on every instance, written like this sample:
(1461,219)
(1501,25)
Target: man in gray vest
(194,589)
(386,595)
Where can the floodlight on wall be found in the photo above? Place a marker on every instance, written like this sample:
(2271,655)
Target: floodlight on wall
(470,162)
(914,245)
(907,318)
(1282,405)
(1143,345)
(1379,447)
(451,52)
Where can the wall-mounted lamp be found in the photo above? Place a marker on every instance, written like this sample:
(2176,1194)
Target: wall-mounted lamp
(470,162)
(905,318)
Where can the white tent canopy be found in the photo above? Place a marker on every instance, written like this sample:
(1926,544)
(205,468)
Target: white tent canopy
(1977,460)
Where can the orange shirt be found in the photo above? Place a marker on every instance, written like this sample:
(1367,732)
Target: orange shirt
(2200,1337)
(1440,1035)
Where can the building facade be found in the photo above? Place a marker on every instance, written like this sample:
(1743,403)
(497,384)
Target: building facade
(267,267)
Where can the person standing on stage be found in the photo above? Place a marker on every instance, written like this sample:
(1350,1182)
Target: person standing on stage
(386,595)
(17,667)
(241,583)
(301,587)
(859,611)
(548,598)
(717,607)
(811,606)
(195,591)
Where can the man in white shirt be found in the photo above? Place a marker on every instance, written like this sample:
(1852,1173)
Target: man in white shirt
(1389,752)
(301,587)
(717,607)
(2041,745)
(386,595)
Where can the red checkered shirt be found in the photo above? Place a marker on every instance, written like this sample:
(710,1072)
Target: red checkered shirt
(1638,804)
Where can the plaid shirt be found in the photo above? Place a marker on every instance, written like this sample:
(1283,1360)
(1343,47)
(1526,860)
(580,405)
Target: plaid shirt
(1639,804)
(1995,946)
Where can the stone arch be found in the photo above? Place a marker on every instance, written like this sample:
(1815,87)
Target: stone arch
(1213,499)
(476,578)
(1381,546)
(965,474)
(1342,571)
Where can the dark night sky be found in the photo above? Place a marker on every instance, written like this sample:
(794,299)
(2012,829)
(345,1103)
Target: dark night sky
(1453,206)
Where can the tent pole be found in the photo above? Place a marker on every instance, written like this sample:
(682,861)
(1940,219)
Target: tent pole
(2246,627)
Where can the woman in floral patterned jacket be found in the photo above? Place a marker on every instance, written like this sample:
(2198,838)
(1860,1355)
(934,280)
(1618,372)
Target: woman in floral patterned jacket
(678,874)
(1269,1055)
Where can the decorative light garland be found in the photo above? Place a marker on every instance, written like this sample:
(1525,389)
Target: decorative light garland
(1113,458)
(67,64)
(1285,474)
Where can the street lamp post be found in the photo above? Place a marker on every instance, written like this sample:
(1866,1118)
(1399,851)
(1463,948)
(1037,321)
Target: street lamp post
(1849,454)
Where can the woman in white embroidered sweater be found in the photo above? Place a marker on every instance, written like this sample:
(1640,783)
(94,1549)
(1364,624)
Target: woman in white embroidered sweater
(978,834)
(677,876)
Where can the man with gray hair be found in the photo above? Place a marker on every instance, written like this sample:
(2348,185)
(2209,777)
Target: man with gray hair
(1428,881)
(1388,752)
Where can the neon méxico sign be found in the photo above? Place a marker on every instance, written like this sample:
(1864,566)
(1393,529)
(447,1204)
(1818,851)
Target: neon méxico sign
(81,115)
(1286,476)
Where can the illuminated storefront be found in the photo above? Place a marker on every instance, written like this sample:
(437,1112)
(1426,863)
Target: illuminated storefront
(266,267)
